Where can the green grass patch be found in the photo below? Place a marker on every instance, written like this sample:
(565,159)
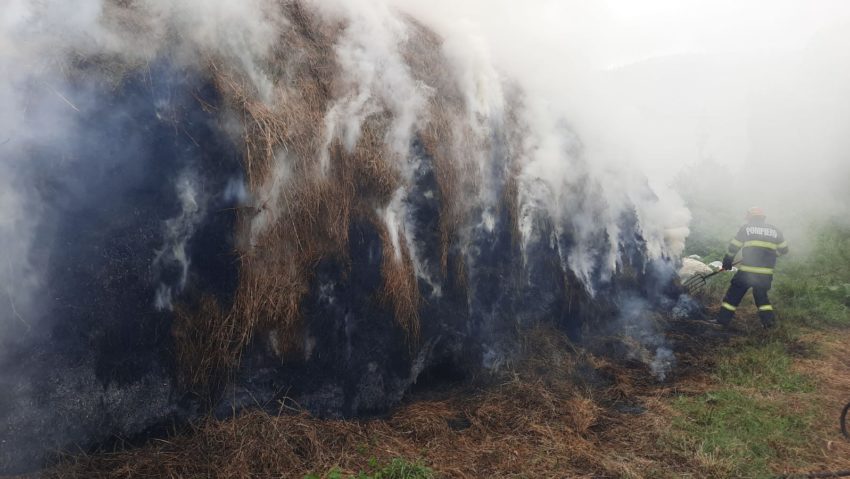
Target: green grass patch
(398,468)
(815,290)
(812,301)
(764,367)
(744,434)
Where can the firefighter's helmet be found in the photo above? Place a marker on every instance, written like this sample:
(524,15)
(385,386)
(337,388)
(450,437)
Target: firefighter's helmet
(755,212)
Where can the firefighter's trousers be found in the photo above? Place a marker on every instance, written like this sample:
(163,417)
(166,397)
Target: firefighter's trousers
(741,283)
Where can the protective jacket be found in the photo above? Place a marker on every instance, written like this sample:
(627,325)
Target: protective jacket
(761,243)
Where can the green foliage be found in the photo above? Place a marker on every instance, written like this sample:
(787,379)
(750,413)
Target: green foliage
(809,302)
(709,249)
(831,258)
(398,468)
(815,290)
(764,367)
(748,433)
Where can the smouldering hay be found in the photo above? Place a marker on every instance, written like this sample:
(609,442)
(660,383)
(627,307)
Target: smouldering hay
(303,209)
(306,222)
(452,149)
(545,391)
(458,176)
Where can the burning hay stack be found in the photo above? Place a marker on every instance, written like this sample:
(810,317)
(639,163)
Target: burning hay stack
(304,199)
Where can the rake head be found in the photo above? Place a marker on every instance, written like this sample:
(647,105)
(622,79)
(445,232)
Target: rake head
(696,282)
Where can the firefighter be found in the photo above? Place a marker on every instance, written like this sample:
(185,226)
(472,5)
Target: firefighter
(760,244)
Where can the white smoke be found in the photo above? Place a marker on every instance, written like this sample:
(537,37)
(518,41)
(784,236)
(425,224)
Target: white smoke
(270,196)
(177,232)
(244,31)
(617,97)
(42,44)
(662,363)
(647,94)
(545,47)
(376,77)
(18,278)
(656,87)
(639,324)
(25,31)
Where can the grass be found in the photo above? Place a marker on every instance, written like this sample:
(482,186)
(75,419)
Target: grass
(398,468)
(734,433)
(812,301)
(815,291)
(761,367)
(752,415)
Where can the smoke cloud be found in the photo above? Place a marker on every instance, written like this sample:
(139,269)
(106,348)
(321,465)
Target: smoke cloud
(741,100)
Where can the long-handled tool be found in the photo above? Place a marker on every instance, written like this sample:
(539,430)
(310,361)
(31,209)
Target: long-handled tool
(698,281)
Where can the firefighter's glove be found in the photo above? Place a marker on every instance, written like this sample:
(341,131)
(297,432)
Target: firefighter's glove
(727,263)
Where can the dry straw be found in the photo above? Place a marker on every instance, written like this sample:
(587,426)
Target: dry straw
(313,211)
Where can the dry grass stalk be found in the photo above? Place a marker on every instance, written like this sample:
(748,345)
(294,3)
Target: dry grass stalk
(400,284)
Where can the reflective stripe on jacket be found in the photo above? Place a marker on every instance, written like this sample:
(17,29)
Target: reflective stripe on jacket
(761,244)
